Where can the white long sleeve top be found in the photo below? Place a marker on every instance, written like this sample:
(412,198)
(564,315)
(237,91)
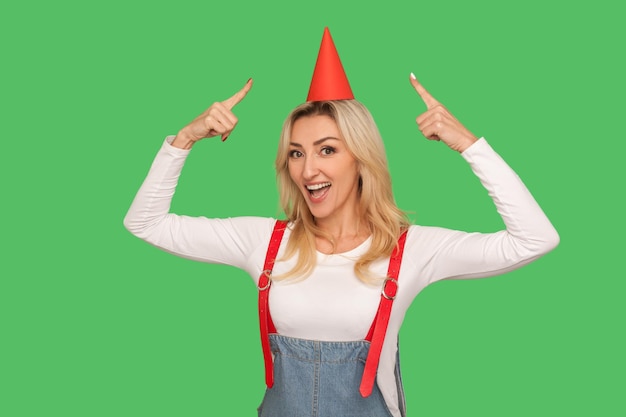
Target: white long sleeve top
(332,304)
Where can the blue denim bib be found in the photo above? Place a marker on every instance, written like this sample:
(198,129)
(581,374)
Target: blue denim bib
(321,379)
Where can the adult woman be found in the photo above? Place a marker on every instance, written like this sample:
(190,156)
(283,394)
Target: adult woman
(344,232)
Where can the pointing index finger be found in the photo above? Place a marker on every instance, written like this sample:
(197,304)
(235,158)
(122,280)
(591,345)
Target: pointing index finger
(238,96)
(429,100)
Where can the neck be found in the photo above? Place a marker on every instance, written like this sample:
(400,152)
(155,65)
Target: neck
(341,236)
(342,228)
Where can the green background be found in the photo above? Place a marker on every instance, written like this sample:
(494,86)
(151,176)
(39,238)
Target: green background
(95,322)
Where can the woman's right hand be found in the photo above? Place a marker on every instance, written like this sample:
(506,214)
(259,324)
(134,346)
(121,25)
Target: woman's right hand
(216,120)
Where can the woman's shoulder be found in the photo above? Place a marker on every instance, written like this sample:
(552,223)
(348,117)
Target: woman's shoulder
(247,233)
(424,234)
(251,224)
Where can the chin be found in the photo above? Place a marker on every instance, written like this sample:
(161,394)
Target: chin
(318,213)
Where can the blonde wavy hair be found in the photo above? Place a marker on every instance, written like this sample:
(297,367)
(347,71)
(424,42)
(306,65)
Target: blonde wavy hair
(377,207)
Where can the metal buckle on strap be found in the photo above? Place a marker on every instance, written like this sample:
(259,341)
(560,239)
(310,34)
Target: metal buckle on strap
(395,289)
(267,273)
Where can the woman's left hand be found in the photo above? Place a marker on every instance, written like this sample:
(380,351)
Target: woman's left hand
(437,123)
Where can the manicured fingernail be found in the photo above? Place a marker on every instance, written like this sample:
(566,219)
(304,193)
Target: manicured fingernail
(249,79)
(224,138)
(413,76)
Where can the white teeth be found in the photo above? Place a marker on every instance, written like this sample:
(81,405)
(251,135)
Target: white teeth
(317,186)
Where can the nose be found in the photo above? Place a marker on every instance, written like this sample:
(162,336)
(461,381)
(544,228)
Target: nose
(311,168)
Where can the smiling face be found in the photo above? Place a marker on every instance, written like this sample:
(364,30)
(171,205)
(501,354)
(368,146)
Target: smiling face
(323,169)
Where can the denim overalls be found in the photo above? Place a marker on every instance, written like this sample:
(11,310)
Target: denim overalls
(310,378)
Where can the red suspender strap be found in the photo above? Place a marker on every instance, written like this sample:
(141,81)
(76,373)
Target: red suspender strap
(265,321)
(379,326)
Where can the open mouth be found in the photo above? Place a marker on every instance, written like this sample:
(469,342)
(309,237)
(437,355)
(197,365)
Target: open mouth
(318,190)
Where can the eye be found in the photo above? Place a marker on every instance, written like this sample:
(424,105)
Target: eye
(294,153)
(327,150)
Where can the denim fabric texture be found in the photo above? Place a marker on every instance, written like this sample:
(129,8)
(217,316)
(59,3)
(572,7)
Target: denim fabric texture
(321,379)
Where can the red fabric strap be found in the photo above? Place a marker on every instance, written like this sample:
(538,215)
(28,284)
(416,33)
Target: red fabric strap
(379,327)
(265,320)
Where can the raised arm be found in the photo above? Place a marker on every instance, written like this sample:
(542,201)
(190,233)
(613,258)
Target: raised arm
(455,254)
(229,241)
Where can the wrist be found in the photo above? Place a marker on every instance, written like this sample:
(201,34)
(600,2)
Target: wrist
(183,140)
(466,144)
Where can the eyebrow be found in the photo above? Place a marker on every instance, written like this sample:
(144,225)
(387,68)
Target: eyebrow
(317,142)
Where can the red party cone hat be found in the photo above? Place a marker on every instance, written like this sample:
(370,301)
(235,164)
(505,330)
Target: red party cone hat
(329,79)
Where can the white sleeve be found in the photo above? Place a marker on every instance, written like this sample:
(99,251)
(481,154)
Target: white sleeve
(230,241)
(528,234)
